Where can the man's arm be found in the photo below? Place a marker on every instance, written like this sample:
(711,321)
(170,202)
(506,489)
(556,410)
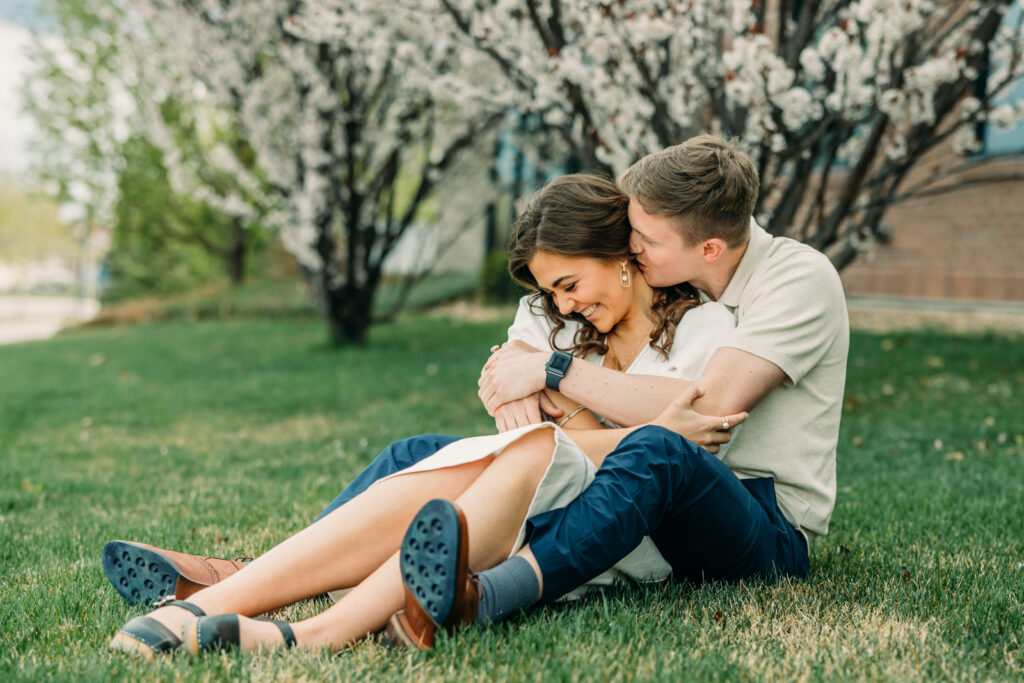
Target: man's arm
(734,381)
(679,417)
(517,371)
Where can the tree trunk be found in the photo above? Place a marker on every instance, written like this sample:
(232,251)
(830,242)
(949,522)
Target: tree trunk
(237,252)
(348,312)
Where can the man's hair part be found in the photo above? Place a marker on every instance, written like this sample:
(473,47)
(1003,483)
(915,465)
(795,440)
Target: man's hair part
(709,184)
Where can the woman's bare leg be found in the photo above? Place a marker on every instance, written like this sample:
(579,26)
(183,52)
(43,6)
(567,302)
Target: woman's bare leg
(495,506)
(338,551)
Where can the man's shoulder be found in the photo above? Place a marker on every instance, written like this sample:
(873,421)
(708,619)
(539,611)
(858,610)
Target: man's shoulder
(793,264)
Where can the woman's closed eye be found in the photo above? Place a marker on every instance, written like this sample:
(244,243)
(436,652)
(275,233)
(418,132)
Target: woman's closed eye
(571,286)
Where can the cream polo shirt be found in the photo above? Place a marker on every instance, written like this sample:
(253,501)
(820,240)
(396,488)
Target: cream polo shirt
(790,310)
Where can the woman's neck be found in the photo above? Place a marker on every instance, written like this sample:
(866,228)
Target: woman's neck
(638,321)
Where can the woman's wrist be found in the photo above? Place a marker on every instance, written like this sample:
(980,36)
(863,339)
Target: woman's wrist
(575,411)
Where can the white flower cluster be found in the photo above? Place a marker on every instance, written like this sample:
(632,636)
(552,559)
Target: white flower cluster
(329,93)
(332,103)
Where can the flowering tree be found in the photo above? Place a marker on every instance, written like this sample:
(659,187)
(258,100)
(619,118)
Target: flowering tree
(91,96)
(847,106)
(336,147)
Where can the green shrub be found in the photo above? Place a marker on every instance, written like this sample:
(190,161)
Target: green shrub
(496,286)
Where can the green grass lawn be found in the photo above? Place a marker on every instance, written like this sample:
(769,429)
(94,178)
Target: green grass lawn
(224,436)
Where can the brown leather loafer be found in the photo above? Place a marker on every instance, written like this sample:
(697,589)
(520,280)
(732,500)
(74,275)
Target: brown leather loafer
(144,573)
(440,591)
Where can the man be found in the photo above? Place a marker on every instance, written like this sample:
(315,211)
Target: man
(691,209)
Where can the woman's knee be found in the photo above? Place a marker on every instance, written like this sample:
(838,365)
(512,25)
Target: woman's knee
(531,453)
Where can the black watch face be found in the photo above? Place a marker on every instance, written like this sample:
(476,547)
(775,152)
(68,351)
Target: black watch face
(560,362)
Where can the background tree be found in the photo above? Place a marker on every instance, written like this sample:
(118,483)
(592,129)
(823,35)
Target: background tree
(30,226)
(163,242)
(93,103)
(350,144)
(847,106)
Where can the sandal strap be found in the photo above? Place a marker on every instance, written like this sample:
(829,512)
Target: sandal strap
(170,601)
(285,628)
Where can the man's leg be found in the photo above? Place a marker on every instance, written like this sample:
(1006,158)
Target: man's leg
(396,457)
(708,524)
(701,516)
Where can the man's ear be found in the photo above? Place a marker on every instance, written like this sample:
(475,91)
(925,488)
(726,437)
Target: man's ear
(713,249)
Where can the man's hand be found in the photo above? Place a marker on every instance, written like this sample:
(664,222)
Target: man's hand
(513,372)
(525,411)
(681,418)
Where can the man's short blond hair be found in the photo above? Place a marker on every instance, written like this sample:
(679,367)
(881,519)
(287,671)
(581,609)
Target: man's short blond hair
(707,182)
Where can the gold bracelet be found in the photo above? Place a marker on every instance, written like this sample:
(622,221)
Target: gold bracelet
(570,416)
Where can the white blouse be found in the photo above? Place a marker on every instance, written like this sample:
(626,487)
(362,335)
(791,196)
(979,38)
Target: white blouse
(700,332)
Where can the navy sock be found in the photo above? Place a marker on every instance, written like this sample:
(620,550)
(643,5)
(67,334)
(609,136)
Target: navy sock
(506,589)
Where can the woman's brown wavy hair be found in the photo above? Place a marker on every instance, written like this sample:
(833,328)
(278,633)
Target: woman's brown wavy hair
(582,215)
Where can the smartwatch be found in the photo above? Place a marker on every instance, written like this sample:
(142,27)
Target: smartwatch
(556,368)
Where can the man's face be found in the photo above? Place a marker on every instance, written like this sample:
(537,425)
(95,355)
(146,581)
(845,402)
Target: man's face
(659,249)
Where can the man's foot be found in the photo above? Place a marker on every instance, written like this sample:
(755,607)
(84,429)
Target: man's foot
(230,631)
(144,573)
(440,591)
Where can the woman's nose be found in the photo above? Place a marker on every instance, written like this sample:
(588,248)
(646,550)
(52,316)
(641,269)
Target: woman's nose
(565,304)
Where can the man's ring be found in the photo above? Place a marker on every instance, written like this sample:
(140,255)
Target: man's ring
(495,348)
(725,424)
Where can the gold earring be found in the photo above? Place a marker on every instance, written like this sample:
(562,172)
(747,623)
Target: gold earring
(625,277)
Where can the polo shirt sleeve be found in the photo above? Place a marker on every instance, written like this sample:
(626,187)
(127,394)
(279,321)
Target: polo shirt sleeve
(531,326)
(789,313)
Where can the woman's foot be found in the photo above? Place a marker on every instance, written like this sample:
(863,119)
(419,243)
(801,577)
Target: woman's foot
(157,632)
(229,631)
(172,617)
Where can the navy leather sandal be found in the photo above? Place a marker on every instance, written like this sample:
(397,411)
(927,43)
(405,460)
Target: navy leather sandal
(147,637)
(220,632)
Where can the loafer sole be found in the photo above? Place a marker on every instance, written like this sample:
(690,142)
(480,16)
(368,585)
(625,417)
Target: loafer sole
(138,574)
(430,556)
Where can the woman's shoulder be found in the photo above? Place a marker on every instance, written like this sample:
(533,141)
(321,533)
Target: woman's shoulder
(709,313)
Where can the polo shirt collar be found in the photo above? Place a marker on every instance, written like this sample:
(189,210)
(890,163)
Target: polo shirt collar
(757,247)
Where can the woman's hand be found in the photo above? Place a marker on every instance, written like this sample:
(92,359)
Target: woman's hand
(513,372)
(703,430)
(525,411)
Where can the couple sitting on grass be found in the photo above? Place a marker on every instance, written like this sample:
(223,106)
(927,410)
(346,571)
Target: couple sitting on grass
(663,317)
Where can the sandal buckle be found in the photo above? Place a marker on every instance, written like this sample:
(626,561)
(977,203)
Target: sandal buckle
(163,601)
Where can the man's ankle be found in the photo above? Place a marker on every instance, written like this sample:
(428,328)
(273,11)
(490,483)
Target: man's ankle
(507,589)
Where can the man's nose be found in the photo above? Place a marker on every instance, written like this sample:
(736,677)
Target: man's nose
(634,243)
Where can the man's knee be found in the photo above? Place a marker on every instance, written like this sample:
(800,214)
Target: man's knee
(656,449)
(408,452)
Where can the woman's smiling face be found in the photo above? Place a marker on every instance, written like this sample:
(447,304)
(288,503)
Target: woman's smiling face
(585,286)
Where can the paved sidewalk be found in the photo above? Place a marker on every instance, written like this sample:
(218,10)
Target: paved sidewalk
(27,318)
(883,314)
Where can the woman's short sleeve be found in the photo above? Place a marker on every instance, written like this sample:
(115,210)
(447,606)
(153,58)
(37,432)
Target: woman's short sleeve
(530,325)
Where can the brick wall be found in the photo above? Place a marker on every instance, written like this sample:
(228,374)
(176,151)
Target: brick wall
(967,244)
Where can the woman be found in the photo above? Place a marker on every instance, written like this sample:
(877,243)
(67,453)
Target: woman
(571,245)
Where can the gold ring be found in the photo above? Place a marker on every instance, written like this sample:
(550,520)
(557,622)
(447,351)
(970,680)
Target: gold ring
(495,348)
(725,424)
